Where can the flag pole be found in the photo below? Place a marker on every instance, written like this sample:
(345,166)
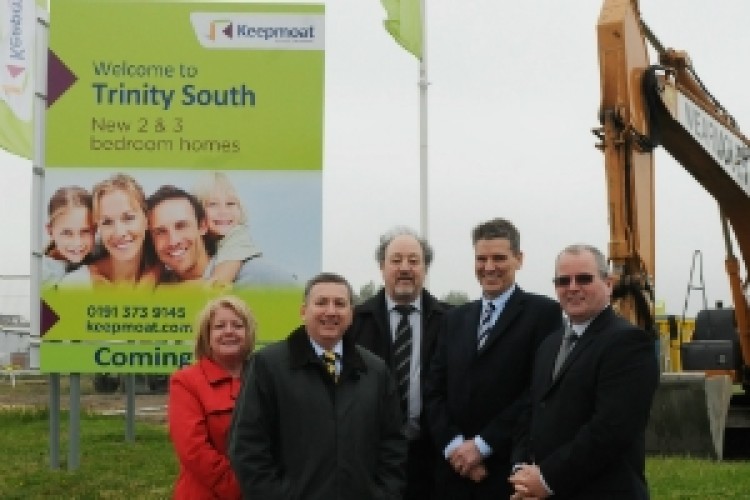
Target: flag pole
(423,83)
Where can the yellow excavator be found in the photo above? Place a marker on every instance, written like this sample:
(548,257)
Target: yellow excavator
(645,105)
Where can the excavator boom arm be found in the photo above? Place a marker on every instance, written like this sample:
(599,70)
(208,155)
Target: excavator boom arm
(666,104)
(645,105)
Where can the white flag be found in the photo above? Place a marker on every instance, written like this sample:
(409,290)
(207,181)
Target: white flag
(17,83)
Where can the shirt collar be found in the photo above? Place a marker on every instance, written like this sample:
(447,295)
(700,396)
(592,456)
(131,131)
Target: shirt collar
(500,301)
(338,349)
(579,328)
(390,303)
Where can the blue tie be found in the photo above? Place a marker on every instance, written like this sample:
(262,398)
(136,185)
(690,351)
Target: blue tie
(485,324)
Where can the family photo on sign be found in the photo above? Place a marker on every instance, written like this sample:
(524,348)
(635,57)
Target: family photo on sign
(117,235)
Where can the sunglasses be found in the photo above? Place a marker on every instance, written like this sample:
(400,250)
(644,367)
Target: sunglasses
(580,279)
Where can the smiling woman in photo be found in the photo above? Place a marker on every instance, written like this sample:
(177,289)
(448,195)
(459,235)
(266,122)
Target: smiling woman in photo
(126,252)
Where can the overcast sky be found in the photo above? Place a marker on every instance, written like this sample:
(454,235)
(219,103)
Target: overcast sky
(514,95)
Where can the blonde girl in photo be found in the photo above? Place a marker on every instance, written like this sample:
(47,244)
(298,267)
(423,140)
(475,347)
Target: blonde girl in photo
(228,236)
(70,228)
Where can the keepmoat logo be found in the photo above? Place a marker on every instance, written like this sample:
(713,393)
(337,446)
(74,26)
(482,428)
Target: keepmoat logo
(15,53)
(259,31)
(218,29)
(292,33)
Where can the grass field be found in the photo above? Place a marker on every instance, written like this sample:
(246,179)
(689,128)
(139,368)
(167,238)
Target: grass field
(110,468)
(681,478)
(113,469)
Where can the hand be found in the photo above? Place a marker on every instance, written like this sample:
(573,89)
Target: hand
(465,457)
(478,473)
(519,496)
(527,482)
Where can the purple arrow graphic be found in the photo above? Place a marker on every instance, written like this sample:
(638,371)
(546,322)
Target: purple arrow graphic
(47,318)
(228,30)
(59,78)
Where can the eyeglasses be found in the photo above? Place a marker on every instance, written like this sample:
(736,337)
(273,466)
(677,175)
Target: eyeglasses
(580,279)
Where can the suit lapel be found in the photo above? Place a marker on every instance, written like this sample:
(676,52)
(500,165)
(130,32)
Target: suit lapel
(468,341)
(545,362)
(581,345)
(428,335)
(351,371)
(512,309)
(589,337)
(380,313)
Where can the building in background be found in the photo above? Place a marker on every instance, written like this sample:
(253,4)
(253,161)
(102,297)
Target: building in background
(18,348)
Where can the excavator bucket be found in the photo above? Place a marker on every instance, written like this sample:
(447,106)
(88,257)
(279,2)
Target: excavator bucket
(688,415)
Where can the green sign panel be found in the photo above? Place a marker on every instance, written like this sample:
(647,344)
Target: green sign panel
(166,84)
(183,151)
(112,357)
(123,315)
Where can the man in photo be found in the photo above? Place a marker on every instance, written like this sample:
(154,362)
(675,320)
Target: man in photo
(177,223)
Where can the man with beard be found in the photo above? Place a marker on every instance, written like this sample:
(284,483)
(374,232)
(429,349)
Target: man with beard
(177,223)
(400,324)
(478,383)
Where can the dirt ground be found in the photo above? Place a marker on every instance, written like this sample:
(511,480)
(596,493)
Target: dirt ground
(33,392)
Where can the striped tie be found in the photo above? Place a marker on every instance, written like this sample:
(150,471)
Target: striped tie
(329,361)
(402,355)
(485,324)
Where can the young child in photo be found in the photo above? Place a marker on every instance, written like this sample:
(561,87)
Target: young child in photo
(227,227)
(70,228)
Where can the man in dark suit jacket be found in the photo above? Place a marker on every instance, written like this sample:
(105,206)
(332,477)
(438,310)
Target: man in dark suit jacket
(404,258)
(318,416)
(478,382)
(589,406)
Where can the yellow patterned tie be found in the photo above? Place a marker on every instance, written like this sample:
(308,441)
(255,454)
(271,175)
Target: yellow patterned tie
(329,360)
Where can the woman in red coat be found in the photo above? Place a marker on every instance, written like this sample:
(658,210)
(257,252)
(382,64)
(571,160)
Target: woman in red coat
(201,400)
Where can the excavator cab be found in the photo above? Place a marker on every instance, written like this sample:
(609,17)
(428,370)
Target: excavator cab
(715,346)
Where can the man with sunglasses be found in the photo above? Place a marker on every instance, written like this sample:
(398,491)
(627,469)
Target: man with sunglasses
(479,377)
(591,394)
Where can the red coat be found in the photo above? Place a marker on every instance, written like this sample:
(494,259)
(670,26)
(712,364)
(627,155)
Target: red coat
(201,400)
